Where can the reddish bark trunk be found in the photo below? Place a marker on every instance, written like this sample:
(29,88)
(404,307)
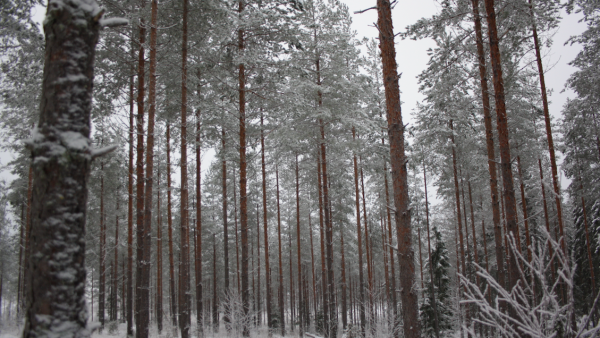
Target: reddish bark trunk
(360,253)
(490,143)
(408,294)
(281,301)
(502,125)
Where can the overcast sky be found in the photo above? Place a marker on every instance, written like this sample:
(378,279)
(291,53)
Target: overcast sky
(412,55)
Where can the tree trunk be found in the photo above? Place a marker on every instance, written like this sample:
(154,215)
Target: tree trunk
(458,211)
(258,297)
(184,270)
(475,251)
(281,302)
(548,123)
(56,304)
(159,257)
(225,227)
(198,246)
(264,200)
(243,196)
(587,240)
(524,208)
(312,261)
(367,248)
(299,250)
(144,289)
(433,301)
(102,258)
(173,302)
(116,263)
(344,301)
(502,124)
(487,116)
(361,279)
(215,312)
(324,289)
(408,294)
(130,205)
(237,245)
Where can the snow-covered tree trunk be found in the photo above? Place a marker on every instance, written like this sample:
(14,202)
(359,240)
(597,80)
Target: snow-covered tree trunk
(62,153)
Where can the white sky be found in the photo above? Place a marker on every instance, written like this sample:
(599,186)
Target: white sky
(412,55)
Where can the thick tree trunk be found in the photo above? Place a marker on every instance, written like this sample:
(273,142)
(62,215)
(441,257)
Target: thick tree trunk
(61,156)
(265,228)
(408,295)
(184,270)
(487,116)
(361,279)
(281,301)
(173,302)
(502,125)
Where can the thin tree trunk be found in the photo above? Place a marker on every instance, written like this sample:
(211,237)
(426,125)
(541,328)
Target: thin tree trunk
(184,272)
(215,312)
(225,225)
(312,261)
(299,250)
(502,124)
(21,264)
(433,301)
(265,227)
(258,297)
(243,196)
(324,288)
(524,208)
(490,143)
(457,197)
(367,247)
(116,262)
(360,254)
(102,269)
(198,246)
(237,246)
(408,294)
(344,294)
(548,130)
(173,302)
(130,206)
(281,303)
(475,251)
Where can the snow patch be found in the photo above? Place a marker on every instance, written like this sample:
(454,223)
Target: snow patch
(75,140)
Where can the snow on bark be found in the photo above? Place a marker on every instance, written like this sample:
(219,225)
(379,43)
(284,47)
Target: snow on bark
(62,154)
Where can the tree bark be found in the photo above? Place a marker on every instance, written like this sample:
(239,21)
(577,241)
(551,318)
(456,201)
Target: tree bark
(61,156)
(265,228)
(487,116)
(299,250)
(243,195)
(502,125)
(184,270)
(548,123)
(433,301)
(324,288)
(281,301)
(173,302)
(159,257)
(225,225)
(116,262)
(361,279)
(102,258)
(198,246)
(408,294)
(130,204)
